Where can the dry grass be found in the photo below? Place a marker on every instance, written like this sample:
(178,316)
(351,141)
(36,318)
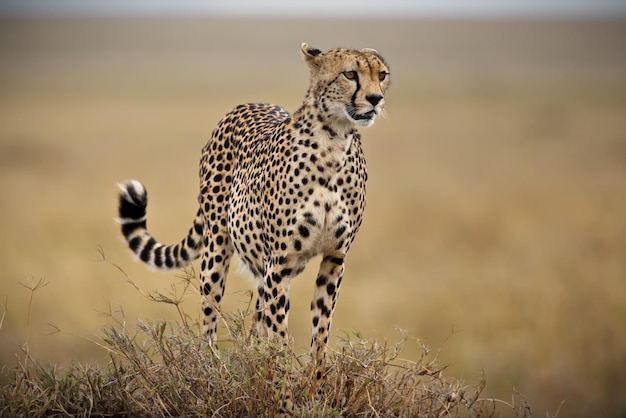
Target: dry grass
(495,201)
(160,369)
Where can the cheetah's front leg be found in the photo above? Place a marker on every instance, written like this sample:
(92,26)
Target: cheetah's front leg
(322,308)
(272,308)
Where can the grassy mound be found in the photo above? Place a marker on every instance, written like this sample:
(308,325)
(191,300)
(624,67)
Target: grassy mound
(161,369)
(167,370)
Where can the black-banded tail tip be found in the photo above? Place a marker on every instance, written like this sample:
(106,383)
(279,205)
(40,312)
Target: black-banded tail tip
(133,200)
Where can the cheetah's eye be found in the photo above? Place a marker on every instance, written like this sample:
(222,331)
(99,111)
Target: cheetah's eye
(382,75)
(350,75)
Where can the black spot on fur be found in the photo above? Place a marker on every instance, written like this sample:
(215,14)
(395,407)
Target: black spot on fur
(304,231)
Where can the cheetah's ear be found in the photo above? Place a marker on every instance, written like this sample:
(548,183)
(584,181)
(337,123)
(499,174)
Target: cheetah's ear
(310,55)
(370,51)
(375,53)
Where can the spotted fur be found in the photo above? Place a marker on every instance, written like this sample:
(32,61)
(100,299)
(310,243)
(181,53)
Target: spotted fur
(277,189)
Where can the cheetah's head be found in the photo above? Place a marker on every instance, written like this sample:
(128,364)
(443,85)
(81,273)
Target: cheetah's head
(349,85)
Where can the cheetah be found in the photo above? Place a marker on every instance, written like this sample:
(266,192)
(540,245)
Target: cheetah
(276,190)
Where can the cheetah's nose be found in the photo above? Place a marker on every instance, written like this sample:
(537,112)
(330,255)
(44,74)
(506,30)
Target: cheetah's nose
(374,99)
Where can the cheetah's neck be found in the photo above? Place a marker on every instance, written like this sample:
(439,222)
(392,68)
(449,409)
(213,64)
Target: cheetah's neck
(320,125)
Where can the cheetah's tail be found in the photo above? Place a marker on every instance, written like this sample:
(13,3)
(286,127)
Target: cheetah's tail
(133,200)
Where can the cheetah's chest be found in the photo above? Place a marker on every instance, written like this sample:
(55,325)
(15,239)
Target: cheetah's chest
(290,206)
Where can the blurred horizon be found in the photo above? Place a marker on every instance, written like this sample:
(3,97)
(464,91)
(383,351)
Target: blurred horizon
(321,8)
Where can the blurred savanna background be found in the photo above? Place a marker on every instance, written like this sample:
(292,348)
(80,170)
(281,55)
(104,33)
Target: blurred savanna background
(495,228)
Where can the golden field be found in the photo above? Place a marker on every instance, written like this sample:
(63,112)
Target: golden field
(495,227)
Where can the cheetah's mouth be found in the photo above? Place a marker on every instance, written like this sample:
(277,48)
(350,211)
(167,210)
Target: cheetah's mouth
(363,116)
(367,115)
